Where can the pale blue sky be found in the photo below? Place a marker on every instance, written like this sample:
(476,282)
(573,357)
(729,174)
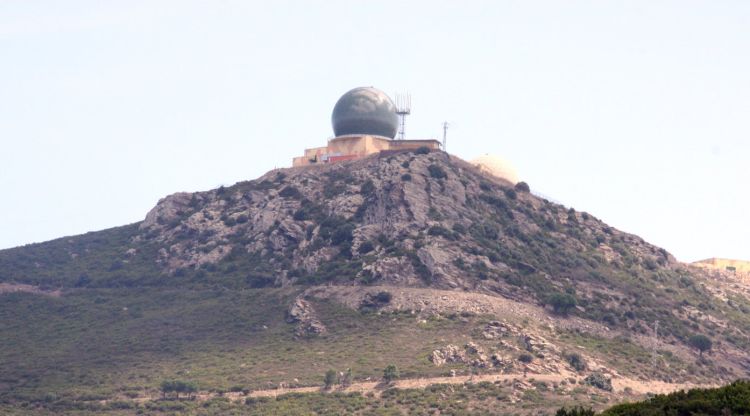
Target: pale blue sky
(637,112)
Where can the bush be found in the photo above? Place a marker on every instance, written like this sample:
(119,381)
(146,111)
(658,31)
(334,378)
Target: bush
(510,193)
(701,343)
(290,192)
(422,150)
(575,411)
(177,387)
(308,211)
(733,399)
(367,188)
(522,187)
(330,379)
(390,373)
(406,177)
(599,381)
(437,230)
(342,234)
(384,297)
(372,302)
(525,358)
(366,247)
(576,361)
(437,172)
(562,303)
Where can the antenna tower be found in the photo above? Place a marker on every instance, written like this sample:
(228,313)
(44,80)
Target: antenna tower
(403,109)
(445,135)
(654,353)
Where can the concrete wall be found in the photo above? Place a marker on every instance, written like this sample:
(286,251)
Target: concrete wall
(722,264)
(356,146)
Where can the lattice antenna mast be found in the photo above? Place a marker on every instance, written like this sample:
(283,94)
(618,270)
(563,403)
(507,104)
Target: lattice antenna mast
(654,352)
(403,109)
(445,135)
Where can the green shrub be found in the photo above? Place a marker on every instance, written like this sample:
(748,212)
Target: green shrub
(525,358)
(367,188)
(177,387)
(733,399)
(437,230)
(406,177)
(422,150)
(576,361)
(366,247)
(562,303)
(390,373)
(437,172)
(522,187)
(701,343)
(459,229)
(599,381)
(383,297)
(290,192)
(330,378)
(575,411)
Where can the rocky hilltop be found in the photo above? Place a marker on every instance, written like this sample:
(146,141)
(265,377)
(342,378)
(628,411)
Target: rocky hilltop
(405,219)
(409,219)
(491,272)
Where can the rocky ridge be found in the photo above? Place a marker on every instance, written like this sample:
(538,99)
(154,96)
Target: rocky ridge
(406,219)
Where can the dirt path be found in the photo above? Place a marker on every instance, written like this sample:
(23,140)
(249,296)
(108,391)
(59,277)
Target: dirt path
(20,287)
(619,384)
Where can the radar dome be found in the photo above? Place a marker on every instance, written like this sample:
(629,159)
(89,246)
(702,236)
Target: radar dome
(496,166)
(365,110)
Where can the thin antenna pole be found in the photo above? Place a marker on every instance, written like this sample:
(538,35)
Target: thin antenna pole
(656,343)
(445,136)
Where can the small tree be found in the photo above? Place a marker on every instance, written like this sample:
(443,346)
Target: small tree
(177,387)
(701,343)
(575,411)
(346,380)
(167,386)
(390,373)
(562,303)
(330,379)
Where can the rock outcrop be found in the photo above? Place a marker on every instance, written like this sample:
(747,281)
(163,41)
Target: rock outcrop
(303,315)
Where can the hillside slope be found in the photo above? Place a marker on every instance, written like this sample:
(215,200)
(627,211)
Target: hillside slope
(339,266)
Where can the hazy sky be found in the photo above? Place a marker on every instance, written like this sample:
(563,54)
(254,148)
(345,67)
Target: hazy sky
(637,112)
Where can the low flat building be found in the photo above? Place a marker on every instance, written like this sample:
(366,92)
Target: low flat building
(354,146)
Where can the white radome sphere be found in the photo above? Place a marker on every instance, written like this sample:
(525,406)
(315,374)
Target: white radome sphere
(496,166)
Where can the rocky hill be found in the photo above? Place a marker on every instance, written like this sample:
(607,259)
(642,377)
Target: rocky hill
(417,232)
(404,219)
